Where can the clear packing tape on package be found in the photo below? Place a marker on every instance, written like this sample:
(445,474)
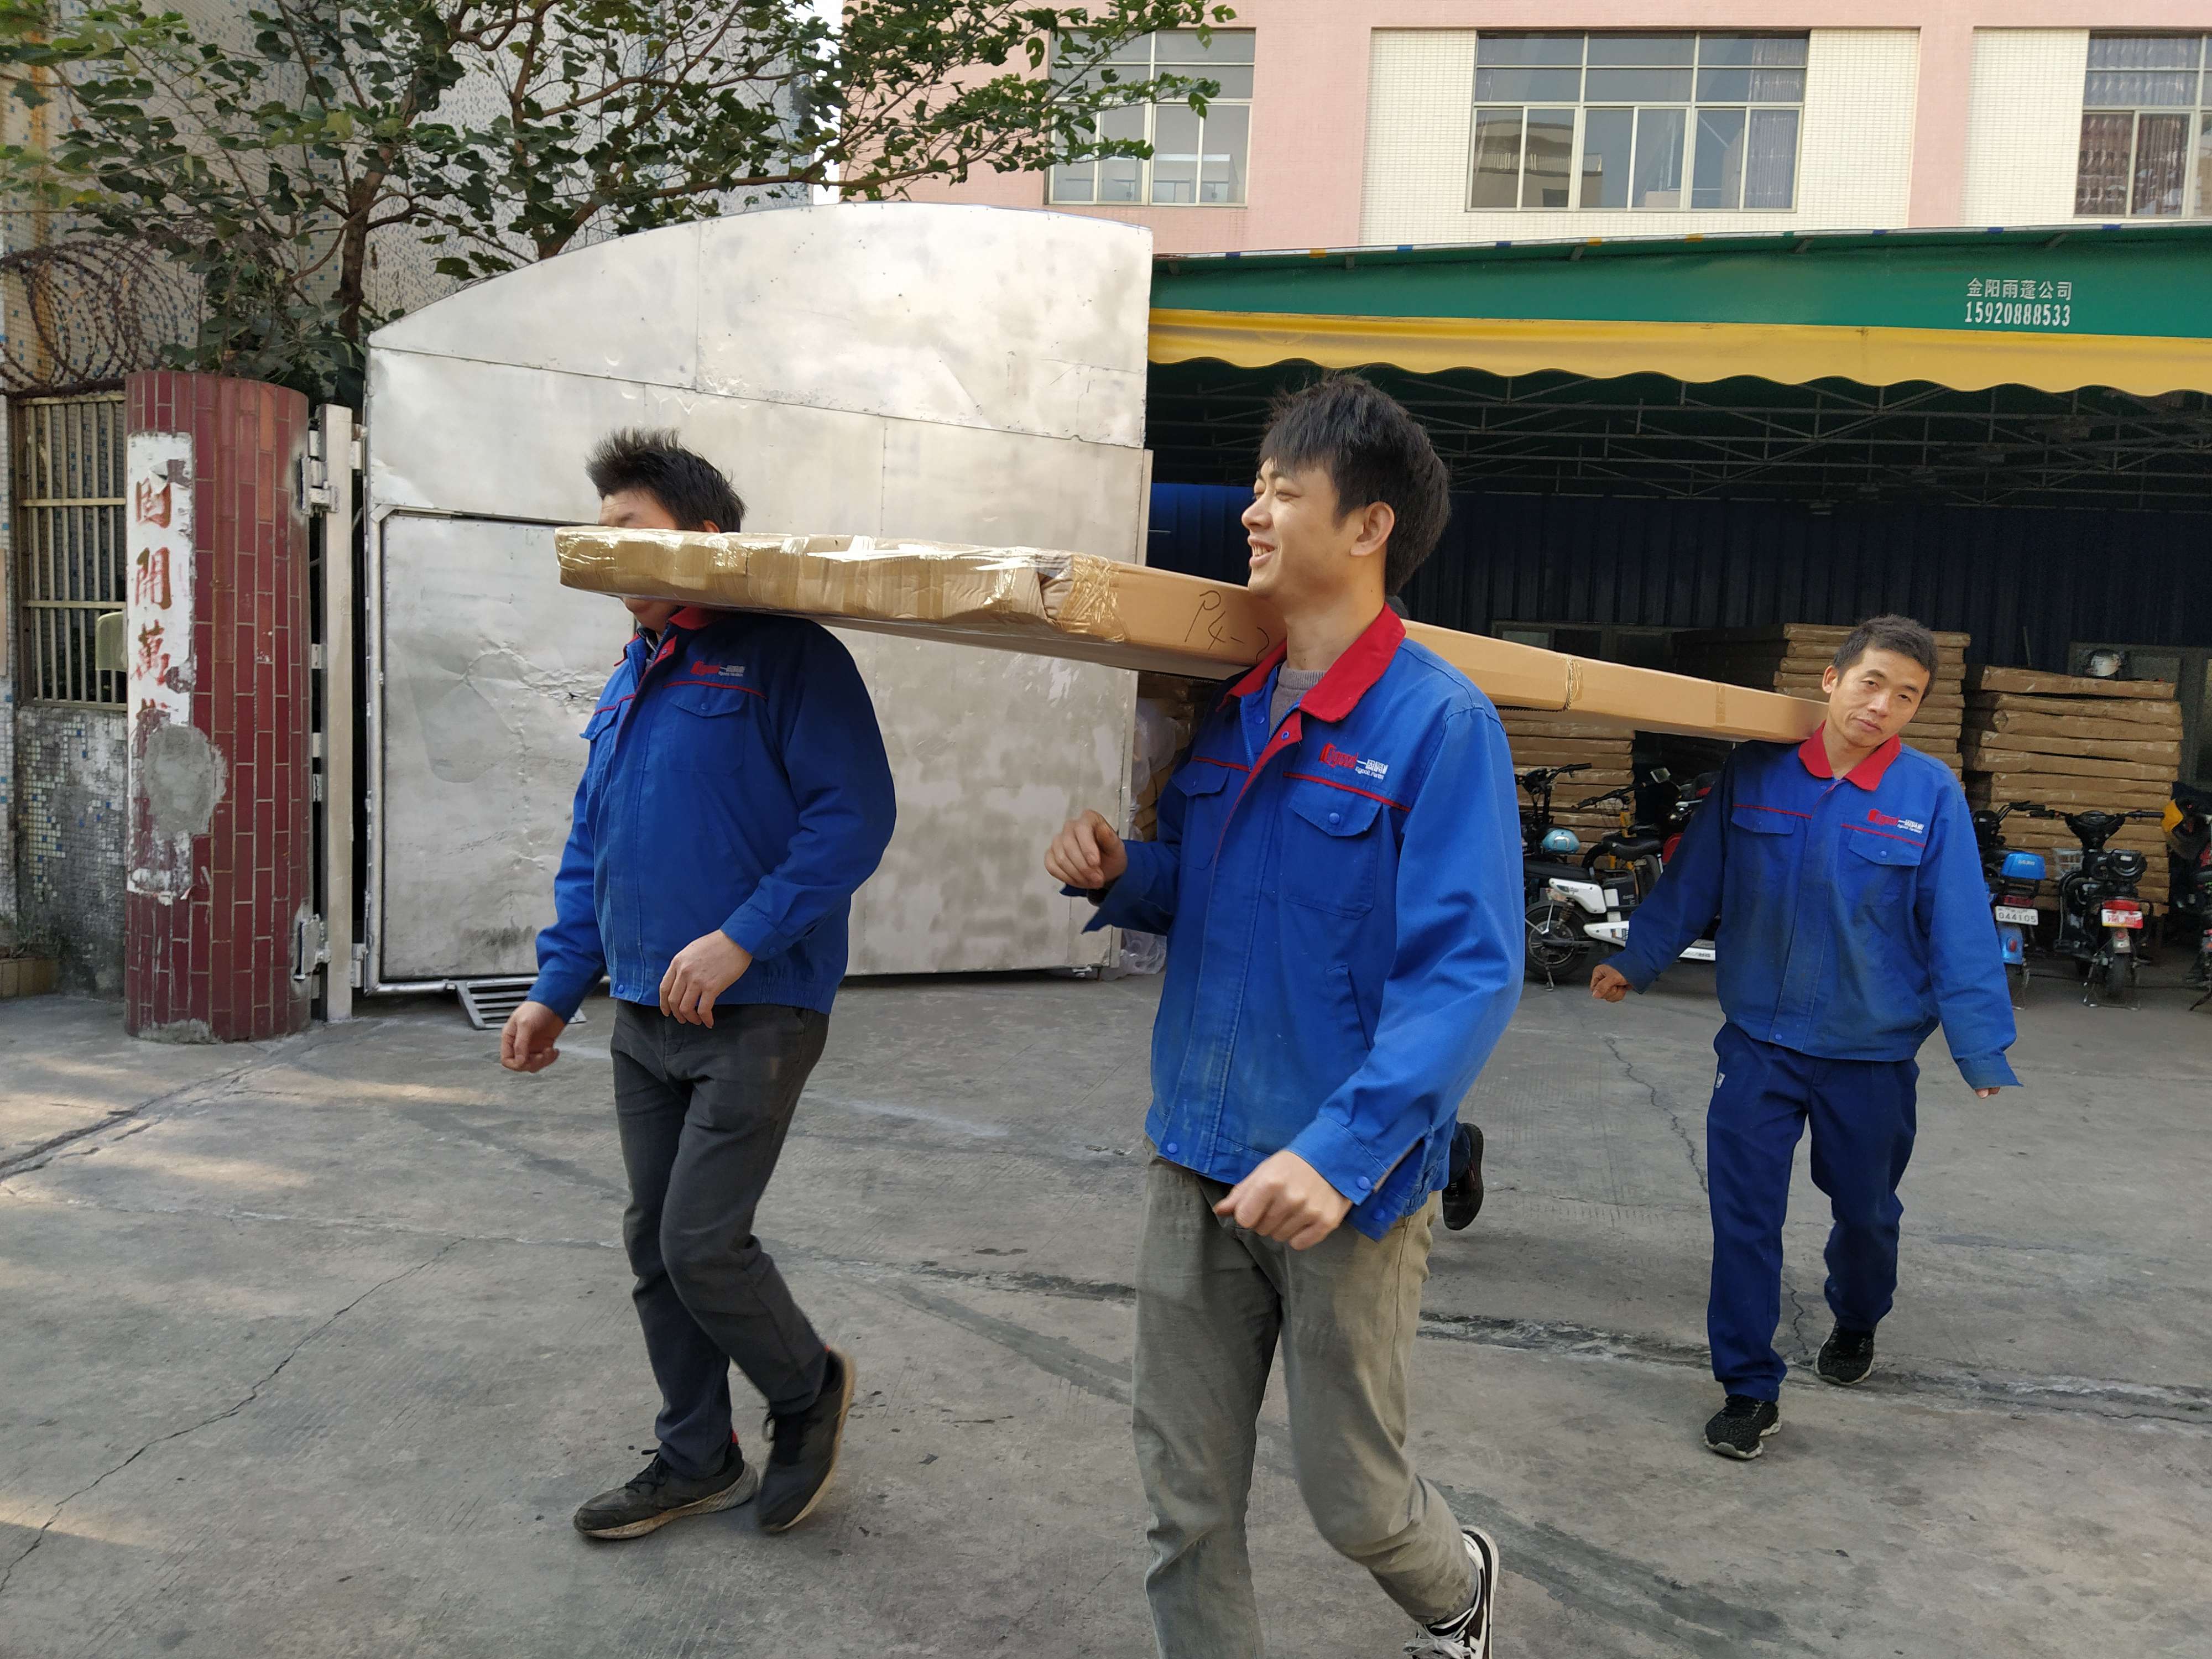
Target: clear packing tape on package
(1093,609)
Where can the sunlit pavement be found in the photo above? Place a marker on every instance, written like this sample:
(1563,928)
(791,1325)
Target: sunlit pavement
(312,1348)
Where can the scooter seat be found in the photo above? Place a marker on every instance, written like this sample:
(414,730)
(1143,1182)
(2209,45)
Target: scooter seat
(1631,846)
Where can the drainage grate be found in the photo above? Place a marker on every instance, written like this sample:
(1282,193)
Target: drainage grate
(488,1002)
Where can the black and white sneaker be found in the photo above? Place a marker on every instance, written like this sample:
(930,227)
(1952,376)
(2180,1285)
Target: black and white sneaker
(1845,1357)
(1466,1634)
(658,1495)
(1463,1193)
(1739,1429)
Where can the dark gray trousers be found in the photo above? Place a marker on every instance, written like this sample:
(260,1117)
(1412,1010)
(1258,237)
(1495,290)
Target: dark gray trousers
(703,1111)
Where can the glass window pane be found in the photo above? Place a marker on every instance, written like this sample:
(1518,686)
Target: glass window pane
(2204,202)
(1555,49)
(1658,179)
(1770,160)
(1175,153)
(1717,179)
(1527,86)
(1076,182)
(1139,51)
(2162,141)
(2143,51)
(1778,86)
(1551,158)
(1606,135)
(2111,89)
(1747,50)
(1497,159)
(1121,177)
(1722,86)
(1641,50)
(1183,46)
(2100,187)
(1235,80)
(1638,85)
(1228,139)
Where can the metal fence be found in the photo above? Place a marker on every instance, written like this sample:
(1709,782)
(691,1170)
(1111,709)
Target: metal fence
(71,563)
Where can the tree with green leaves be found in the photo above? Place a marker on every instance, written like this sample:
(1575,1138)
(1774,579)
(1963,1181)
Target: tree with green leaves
(271,152)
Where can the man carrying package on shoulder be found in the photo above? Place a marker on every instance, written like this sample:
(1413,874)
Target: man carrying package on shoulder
(1854,920)
(735,793)
(1338,872)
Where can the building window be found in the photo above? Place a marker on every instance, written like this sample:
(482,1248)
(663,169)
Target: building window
(1656,122)
(69,552)
(2146,148)
(1198,160)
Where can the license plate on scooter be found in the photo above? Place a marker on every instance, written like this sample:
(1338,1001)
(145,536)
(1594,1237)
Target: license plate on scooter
(2025,917)
(2123,918)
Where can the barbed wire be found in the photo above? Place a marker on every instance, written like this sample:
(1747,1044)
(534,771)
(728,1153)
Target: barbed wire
(86,311)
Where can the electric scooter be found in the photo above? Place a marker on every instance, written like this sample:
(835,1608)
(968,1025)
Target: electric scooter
(2100,918)
(2015,879)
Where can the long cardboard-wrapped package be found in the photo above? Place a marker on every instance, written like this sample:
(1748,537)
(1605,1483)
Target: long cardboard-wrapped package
(1102,610)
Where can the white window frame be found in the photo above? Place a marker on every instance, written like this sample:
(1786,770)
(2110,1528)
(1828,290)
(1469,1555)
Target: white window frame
(2198,115)
(1689,111)
(1151,68)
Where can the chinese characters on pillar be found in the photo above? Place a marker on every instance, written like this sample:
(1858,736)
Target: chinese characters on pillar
(159,542)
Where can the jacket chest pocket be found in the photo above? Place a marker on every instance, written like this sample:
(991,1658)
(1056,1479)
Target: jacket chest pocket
(1332,849)
(599,732)
(1204,787)
(1876,869)
(706,728)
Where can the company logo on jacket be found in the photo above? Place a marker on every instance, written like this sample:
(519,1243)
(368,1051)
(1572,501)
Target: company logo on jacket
(1875,815)
(1332,755)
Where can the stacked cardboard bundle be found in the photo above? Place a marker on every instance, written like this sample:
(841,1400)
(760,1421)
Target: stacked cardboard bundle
(1538,737)
(2071,745)
(1790,658)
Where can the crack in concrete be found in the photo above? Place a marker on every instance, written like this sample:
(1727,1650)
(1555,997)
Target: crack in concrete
(1673,1118)
(1797,1311)
(251,1394)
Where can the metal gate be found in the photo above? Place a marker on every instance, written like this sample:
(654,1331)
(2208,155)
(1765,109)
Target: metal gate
(68,481)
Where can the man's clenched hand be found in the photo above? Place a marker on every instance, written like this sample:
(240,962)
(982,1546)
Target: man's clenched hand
(1609,983)
(703,971)
(1285,1198)
(525,1042)
(1086,853)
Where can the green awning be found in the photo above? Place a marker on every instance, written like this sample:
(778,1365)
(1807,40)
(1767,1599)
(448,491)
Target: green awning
(2055,308)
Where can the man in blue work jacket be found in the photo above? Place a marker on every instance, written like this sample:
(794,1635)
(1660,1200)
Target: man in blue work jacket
(735,793)
(1854,920)
(1338,873)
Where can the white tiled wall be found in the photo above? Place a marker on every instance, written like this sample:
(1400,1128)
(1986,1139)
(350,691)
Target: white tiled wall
(1855,169)
(2024,126)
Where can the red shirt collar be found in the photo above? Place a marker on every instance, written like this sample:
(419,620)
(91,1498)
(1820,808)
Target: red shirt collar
(1349,678)
(1814,751)
(694,616)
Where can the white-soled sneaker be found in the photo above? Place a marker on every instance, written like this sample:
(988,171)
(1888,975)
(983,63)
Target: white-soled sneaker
(1466,1634)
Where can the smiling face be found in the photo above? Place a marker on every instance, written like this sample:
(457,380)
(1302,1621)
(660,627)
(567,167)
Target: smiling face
(1305,551)
(1871,701)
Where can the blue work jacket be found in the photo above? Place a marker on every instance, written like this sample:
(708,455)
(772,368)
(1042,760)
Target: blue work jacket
(1854,917)
(736,779)
(1342,904)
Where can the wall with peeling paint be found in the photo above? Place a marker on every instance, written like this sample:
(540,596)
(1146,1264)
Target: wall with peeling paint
(73,806)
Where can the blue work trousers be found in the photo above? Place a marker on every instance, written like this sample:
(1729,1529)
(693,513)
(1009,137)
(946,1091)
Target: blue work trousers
(1862,1116)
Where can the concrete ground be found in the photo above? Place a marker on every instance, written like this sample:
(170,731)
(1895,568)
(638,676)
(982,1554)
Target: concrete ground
(310,1349)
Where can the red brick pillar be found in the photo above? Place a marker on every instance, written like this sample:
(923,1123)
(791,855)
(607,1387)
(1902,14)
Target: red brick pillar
(220,840)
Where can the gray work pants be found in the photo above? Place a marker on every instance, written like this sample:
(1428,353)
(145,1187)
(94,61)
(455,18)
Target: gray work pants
(1212,1301)
(703,1111)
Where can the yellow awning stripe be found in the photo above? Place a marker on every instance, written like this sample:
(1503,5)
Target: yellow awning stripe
(1790,353)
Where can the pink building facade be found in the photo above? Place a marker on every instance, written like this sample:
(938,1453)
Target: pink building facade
(1424,121)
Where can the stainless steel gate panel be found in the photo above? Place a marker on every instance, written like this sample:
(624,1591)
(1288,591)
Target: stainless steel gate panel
(927,412)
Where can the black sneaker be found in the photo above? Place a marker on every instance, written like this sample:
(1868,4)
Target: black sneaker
(659,1495)
(1739,1429)
(806,1445)
(1845,1357)
(1463,1193)
(1466,1634)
